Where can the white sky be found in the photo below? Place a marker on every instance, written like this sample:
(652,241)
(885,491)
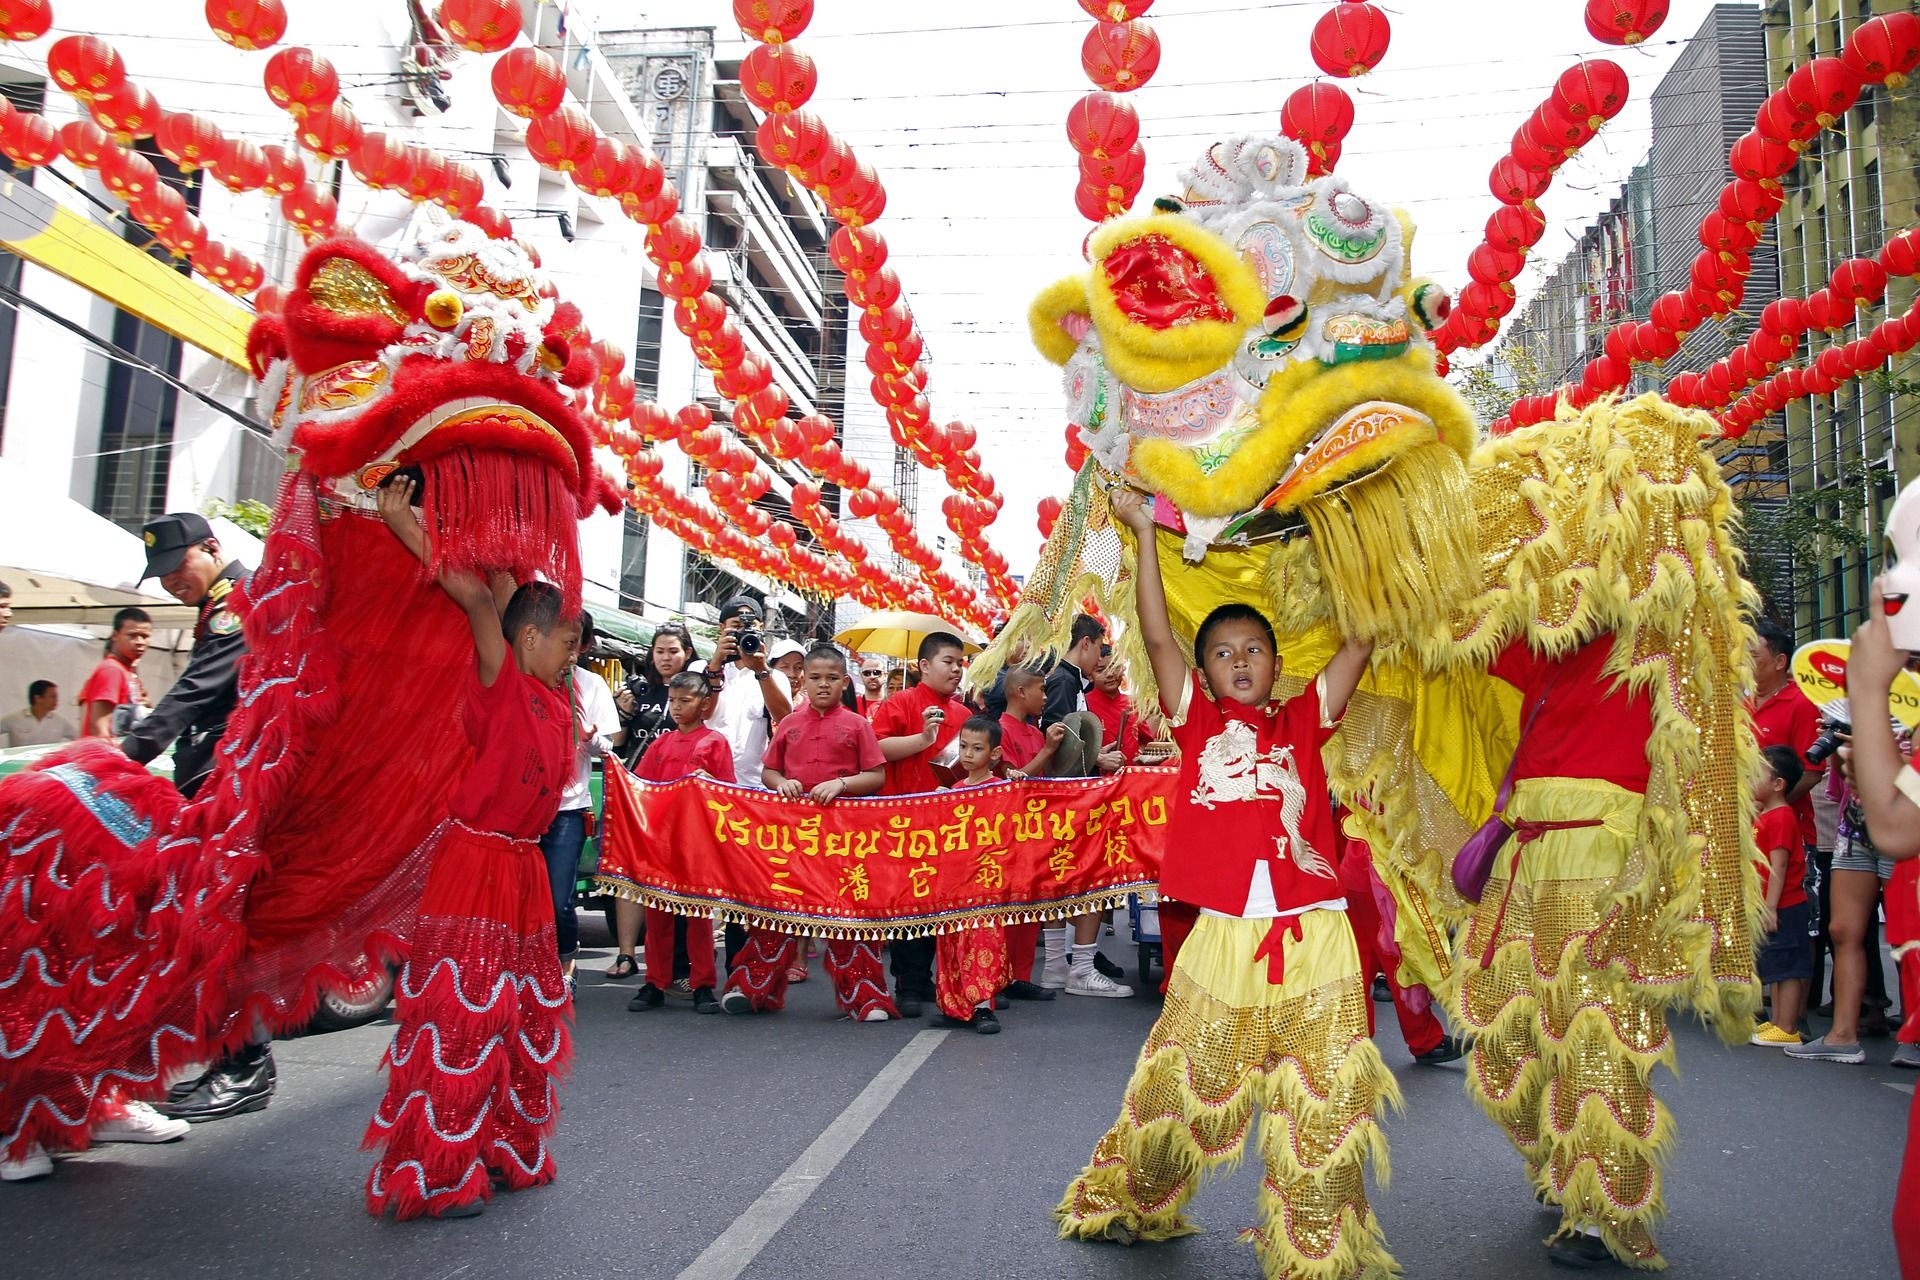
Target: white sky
(961,110)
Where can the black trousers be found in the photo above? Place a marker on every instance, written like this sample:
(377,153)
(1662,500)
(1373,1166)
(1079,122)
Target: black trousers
(910,960)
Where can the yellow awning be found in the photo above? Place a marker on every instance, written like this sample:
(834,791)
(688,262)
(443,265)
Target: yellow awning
(44,232)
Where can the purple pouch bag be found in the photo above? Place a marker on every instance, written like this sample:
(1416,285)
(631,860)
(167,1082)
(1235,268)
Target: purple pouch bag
(1473,865)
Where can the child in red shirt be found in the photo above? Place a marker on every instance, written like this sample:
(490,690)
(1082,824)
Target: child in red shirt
(820,751)
(974,969)
(1265,1006)
(1785,959)
(691,749)
(1023,747)
(481,1004)
(918,728)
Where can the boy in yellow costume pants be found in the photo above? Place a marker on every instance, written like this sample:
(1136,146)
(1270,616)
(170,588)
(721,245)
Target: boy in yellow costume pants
(1265,1006)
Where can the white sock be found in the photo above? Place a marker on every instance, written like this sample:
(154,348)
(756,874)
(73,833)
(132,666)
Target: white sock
(1083,958)
(1053,944)
(984,1004)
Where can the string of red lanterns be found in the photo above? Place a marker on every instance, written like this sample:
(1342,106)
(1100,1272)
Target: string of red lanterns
(1120,53)
(1816,95)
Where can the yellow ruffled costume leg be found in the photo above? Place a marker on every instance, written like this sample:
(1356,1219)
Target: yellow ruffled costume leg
(1229,1041)
(1564,1041)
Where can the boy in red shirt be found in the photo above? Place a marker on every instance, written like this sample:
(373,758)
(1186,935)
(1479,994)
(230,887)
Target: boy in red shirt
(113,699)
(691,749)
(1025,748)
(1785,959)
(1265,1006)
(481,1005)
(820,751)
(918,729)
(973,962)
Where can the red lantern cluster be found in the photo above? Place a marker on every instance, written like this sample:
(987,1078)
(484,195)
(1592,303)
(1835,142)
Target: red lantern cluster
(1120,53)
(1350,38)
(1584,98)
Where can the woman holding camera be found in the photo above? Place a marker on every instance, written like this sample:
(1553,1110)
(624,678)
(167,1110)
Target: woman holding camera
(643,712)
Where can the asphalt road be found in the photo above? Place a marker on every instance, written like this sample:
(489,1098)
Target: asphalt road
(681,1131)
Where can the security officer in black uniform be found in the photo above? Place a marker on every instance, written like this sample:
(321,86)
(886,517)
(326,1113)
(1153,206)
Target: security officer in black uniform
(183,553)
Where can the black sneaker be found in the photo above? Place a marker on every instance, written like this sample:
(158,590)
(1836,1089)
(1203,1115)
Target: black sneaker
(1000,1000)
(1448,1050)
(907,1003)
(1580,1252)
(1019,990)
(1108,967)
(647,997)
(1381,992)
(704,1000)
(985,1023)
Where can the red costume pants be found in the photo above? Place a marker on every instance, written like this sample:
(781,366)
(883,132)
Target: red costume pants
(701,971)
(482,1038)
(1021,941)
(971,967)
(859,978)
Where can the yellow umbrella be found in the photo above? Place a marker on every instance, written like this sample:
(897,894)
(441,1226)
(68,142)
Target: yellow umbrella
(898,635)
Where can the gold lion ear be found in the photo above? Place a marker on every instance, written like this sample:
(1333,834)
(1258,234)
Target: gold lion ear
(1051,318)
(347,288)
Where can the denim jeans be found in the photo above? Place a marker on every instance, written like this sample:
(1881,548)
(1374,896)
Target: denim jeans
(561,847)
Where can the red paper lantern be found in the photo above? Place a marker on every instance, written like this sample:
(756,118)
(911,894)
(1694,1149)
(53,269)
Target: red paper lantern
(481,26)
(528,83)
(1350,39)
(308,208)
(1049,511)
(85,143)
(25,19)
(461,190)
(1593,91)
(608,170)
(1884,49)
(561,139)
(491,221)
(285,169)
(1859,280)
(1317,116)
(1749,202)
(1625,22)
(1515,227)
(381,161)
(1490,265)
(1759,158)
(1786,317)
(129,175)
(772,21)
(240,166)
(859,200)
(791,139)
(188,140)
(1827,312)
(248,24)
(85,66)
(1671,313)
(1120,56)
(1822,90)
(1509,182)
(159,208)
(1722,234)
(1901,257)
(1551,126)
(1605,374)
(129,112)
(183,237)
(676,240)
(1102,125)
(426,175)
(300,80)
(685,279)
(1535,155)
(856,251)
(1778,120)
(778,77)
(332,131)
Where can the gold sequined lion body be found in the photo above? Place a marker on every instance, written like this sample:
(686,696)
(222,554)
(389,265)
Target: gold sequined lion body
(1254,355)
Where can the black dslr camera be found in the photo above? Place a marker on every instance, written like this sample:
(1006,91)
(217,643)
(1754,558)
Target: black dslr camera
(1831,731)
(749,641)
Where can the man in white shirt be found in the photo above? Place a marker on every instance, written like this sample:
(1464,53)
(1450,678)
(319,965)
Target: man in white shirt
(596,731)
(37,726)
(753,696)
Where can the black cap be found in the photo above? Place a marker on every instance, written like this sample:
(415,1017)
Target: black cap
(740,607)
(169,537)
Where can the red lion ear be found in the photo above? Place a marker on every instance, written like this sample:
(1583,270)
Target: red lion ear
(266,342)
(348,302)
(606,494)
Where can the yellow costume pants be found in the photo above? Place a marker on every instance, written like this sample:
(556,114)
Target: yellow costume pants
(1228,1041)
(1564,1038)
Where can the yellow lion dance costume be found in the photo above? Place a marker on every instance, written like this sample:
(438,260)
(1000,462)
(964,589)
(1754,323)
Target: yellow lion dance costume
(1253,353)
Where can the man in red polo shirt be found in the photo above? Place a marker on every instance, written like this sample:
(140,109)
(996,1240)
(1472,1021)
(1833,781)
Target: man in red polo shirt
(820,751)
(917,728)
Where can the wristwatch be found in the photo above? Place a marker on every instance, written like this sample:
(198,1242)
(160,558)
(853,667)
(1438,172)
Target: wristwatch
(763,675)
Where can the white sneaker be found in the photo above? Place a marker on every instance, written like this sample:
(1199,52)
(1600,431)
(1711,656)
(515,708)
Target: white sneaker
(141,1123)
(35,1164)
(1095,983)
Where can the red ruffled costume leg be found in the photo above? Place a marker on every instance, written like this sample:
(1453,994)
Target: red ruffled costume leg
(970,969)
(483,1036)
(859,980)
(1021,941)
(760,970)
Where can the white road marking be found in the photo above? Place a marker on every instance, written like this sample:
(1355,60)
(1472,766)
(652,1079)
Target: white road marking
(1904,1088)
(749,1233)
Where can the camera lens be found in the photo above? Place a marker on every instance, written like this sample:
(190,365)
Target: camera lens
(750,642)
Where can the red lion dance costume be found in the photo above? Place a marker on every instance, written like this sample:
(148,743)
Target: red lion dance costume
(140,933)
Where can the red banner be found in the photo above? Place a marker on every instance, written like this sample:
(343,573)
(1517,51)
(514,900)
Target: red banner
(886,866)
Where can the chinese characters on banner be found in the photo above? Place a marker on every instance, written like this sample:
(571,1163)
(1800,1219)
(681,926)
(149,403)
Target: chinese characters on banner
(891,866)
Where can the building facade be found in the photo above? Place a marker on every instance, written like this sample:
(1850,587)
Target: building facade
(1844,455)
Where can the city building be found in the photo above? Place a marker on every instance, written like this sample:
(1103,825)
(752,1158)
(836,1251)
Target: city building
(1844,454)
